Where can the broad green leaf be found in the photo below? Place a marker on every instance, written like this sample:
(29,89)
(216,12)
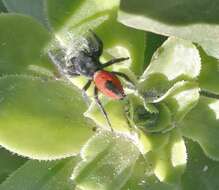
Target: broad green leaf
(41,119)
(35,9)
(209,76)
(175,60)
(170,161)
(22,48)
(202,125)
(9,163)
(201,172)
(195,20)
(37,175)
(108,162)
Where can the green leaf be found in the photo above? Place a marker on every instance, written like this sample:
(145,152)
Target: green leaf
(201,125)
(201,173)
(2,7)
(208,78)
(9,163)
(75,13)
(195,20)
(37,175)
(170,161)
(146,121)
(152,43)
(36,9)
(143,178)
(175,60)
(180,99)
(108,162)
(22,48)
(115,112)
(40,118)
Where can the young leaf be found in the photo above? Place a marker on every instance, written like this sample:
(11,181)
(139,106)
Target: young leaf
(180,99)
(108,162)
(174,61)
(175,58)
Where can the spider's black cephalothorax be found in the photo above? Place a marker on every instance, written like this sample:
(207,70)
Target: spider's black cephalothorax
(87,64)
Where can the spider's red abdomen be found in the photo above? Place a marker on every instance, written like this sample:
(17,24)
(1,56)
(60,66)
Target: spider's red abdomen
(109,84)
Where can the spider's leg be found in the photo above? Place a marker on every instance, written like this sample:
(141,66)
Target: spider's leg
(84,89)
(101,107)
(124,76)
(95,44)
(113,61)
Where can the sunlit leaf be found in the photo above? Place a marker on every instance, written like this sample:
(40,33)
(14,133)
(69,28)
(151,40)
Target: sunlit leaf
(202,125)
(108,162)
(174,61)
(170,161)
(41,119)
(209,76)
(195,20)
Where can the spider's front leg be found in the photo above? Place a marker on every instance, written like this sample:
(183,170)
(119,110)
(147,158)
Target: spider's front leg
(113,61)
(84,89)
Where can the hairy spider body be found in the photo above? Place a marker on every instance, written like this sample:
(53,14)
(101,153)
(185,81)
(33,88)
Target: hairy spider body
(87,64)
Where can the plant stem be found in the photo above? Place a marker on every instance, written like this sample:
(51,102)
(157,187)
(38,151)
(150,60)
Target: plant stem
(209,94)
